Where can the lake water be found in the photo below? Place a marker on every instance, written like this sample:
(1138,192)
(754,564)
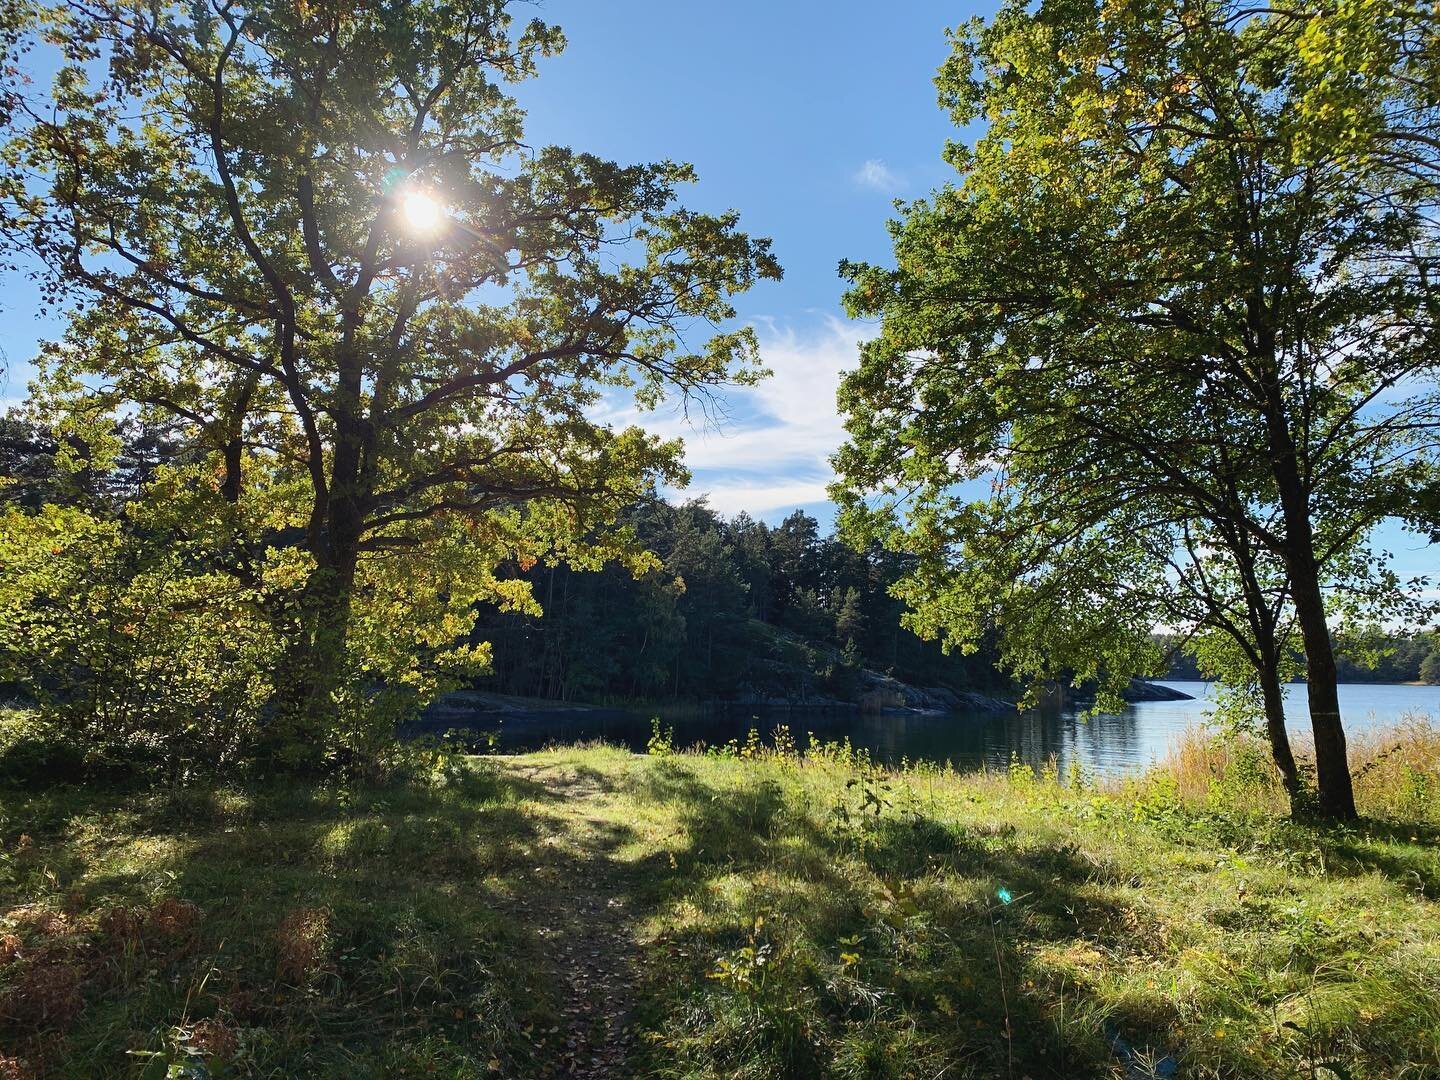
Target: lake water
(1103,745)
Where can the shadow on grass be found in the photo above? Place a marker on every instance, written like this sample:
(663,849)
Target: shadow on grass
(409,930)
(892,945)
(1407,853)
(335,932)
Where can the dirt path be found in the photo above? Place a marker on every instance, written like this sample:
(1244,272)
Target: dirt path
(576,902)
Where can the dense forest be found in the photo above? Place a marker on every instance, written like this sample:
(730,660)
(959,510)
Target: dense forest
(738,608)
(1395,658)
(745,609)
(735,607)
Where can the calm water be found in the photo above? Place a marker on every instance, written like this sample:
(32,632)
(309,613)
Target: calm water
(1104,745)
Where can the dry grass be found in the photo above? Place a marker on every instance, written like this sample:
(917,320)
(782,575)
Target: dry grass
(51,959)
(303,939)
(1396,770)
(213,1040)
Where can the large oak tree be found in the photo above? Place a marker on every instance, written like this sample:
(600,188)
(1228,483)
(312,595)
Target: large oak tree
(313,232)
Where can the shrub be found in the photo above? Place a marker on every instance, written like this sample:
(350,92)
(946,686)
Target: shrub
(159,640)
(35,754)
(133,650)
(662,740)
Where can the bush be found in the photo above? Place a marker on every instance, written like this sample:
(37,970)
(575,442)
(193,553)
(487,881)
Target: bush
(134,651)
(153,641)
(35,755)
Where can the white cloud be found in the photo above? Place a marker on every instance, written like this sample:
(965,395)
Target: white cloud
(877,176)
(758,498)
(765,448)
(792,420)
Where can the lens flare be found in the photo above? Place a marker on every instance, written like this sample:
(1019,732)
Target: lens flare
(422,213)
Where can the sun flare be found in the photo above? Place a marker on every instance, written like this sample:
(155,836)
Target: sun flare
(422,213)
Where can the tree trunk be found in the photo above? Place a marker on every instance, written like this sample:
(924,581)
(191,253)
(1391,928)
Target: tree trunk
(233,448)
(314,663)
(1274,697)
(1332,766)
(233,455)
(310,668)
(1266,655)
(1335,794)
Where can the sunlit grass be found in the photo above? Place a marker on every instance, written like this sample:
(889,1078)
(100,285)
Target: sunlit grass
(798,914)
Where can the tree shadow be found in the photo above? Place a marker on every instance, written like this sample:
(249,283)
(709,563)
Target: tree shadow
(934,945)
(1410,857)
(350,931)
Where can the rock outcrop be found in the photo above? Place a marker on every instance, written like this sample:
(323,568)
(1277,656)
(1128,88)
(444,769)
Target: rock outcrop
(1144,690)
(881,693)
(1138,690)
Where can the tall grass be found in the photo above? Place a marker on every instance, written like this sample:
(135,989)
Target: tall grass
(796,910)
(830,916)
(1396,770)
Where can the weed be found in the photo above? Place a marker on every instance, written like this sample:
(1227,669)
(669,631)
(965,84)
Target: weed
(662,740)
(302,939)
(748,967)
(43,997)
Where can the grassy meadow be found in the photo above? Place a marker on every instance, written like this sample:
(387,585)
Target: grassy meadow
(752,912)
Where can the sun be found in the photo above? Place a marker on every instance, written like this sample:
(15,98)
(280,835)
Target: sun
(422,213)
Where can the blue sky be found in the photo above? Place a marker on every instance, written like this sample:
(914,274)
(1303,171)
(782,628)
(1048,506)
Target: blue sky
(808,117)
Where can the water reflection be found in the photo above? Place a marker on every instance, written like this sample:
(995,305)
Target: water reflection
(1102,745)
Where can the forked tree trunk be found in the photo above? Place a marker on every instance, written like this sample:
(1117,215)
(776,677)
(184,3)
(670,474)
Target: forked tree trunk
(314,661)
(1335,793)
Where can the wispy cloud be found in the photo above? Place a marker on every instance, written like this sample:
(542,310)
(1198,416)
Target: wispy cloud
(765,448)
(877,176)
(760,499)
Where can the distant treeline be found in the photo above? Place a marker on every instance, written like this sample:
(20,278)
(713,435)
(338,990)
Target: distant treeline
(1401,658)
(739,608)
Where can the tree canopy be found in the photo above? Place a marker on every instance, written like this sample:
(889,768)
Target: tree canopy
(1179,321)
(313,237)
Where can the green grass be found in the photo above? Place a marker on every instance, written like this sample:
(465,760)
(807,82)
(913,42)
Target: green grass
(774,915)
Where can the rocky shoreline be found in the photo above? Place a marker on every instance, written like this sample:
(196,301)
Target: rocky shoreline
(880,694)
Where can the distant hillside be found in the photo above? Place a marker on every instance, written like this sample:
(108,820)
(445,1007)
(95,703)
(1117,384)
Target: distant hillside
(740,610)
